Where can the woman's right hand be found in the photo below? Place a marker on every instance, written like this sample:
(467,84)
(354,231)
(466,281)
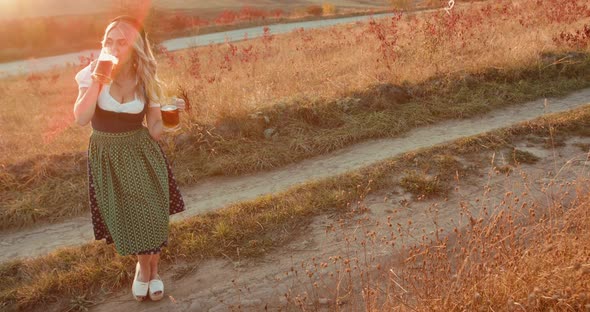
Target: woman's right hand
(93,65)
(92,68)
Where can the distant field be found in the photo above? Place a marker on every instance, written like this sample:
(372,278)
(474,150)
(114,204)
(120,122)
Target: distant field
(54,27)
(34,8)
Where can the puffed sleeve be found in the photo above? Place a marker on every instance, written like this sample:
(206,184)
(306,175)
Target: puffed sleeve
(84,77)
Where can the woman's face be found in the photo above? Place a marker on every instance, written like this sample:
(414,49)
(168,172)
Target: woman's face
(120,44)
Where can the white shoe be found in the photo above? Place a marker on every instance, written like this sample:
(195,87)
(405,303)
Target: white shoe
(139,289)
(156,289)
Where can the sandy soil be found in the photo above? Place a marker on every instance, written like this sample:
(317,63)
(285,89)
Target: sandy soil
(275,281)
(215,193)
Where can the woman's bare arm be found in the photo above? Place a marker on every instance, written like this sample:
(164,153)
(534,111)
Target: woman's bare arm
(86,102)
(154,122)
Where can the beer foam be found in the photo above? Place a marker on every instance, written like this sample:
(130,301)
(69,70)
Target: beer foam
(105,56)
(169,107)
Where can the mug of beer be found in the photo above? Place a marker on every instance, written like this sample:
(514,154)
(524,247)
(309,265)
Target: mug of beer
(170,116)
(104,67)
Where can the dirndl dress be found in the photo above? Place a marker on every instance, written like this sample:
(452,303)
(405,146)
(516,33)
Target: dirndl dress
(131,188)
(132,191)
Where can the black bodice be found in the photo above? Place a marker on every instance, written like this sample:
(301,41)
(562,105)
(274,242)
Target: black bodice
(107,121)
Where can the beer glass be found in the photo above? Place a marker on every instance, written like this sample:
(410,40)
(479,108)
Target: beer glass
(104,67)
(170,116)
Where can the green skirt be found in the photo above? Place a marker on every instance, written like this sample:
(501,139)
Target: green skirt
(130,185)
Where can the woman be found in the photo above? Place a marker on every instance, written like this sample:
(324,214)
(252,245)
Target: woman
(132,190)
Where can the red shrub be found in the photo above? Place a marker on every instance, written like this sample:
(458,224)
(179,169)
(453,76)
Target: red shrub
(251,14)
(277,13)
(580,39)
(195,64)
(226,17)
(387,35)
(314,10)
(564,11)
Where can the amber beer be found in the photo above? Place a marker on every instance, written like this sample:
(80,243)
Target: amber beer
(104,66)
(102,71)
(170,117)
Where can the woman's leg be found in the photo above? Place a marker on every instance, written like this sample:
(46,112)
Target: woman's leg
(154,266)
(154,269)
(144,267)
(143,276)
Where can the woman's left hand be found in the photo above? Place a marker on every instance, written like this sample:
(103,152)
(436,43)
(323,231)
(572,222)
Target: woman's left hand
(180,104)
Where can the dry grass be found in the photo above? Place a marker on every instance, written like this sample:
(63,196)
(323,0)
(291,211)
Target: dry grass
(522,252)
(519,255)
(335,91)
(80,274)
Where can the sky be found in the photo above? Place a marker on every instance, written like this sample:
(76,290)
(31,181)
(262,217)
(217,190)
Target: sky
(31,8)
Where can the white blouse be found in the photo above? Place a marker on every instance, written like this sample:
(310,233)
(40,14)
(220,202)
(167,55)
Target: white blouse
(106,100)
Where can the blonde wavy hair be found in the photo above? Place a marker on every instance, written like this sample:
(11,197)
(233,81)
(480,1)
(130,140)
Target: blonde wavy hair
(145,63)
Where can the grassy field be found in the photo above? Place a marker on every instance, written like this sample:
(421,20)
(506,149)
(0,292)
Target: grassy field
(73,278)
(249,112)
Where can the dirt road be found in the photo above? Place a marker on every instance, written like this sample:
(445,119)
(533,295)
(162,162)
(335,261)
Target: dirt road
(216,193)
